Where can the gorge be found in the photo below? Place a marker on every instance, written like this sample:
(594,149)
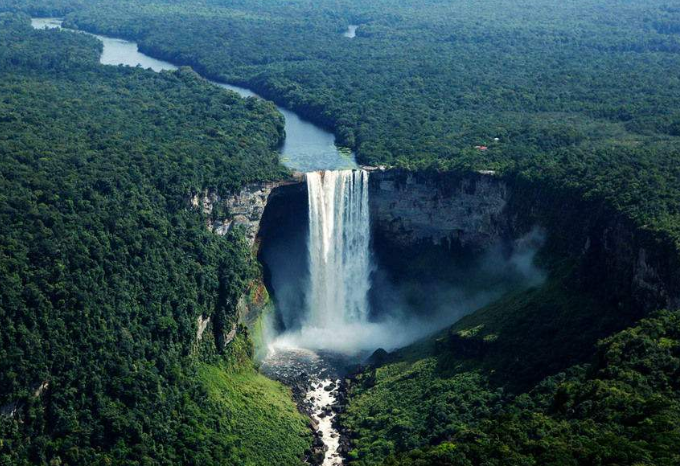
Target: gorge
(441,247)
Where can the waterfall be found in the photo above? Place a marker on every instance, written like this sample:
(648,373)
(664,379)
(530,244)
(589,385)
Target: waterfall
(339,248)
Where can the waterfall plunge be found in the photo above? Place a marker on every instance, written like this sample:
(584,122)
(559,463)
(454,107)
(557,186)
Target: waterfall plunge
(340,266)
(339,248)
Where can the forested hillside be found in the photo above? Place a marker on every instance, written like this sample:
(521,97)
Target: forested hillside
(105,269)
(429,406)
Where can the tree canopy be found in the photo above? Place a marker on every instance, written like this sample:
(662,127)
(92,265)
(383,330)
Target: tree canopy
(105,268)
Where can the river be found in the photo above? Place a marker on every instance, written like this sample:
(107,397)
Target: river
(307,147)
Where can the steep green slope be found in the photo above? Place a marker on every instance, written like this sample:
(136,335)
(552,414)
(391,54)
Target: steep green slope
(446,401)
(622,409)
(257,419)
(105,268)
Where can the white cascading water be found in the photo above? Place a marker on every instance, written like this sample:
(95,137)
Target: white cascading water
(337,296)
(339,248)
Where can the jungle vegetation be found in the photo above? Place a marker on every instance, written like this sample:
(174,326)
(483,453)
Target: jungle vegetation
(424,407)
(105,267)
(580,95)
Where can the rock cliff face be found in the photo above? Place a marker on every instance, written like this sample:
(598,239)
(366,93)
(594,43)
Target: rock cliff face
(244,208)
(473,211)
(627,265)
(441,209)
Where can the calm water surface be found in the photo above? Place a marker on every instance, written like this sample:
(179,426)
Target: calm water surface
(307,147)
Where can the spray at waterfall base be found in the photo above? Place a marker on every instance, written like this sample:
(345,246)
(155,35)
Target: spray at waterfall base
(332,289)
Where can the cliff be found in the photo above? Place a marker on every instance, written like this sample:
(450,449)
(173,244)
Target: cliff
(627,267)
(473,211)
(410,208)
(244,208)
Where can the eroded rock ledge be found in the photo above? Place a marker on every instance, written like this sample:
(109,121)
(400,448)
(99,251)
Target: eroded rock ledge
(244,208)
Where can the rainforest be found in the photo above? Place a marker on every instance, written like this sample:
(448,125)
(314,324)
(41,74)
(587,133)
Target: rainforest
(248,232)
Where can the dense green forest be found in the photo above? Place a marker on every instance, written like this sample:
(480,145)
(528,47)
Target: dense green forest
(579,94)
(621,409)
(105,269)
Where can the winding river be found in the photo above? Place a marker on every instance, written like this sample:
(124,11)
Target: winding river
(307,147)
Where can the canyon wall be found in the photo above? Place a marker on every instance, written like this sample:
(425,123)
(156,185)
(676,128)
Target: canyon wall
(442,209)
(628,266)
(244,208)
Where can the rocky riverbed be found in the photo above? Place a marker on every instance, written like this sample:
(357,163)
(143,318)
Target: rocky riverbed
(317,382)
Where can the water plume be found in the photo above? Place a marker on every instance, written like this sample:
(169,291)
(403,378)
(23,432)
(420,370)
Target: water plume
(339,248)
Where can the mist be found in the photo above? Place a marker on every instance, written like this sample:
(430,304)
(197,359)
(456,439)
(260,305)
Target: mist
(402,310)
